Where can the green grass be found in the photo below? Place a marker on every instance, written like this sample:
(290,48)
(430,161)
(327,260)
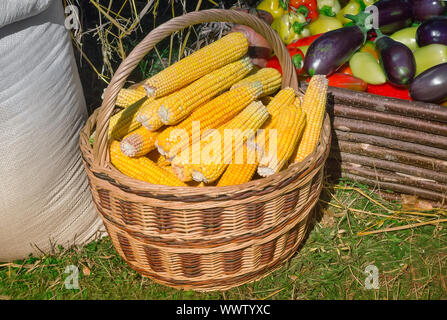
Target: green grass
(330,265)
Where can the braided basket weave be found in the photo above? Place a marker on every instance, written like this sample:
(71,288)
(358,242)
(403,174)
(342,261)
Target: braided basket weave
(210,238)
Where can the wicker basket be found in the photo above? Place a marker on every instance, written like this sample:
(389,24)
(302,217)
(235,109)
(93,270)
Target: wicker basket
(210,238)
(390,144)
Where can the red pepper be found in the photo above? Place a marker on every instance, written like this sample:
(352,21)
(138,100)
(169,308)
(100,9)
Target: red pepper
(346,69)
(297,58)
(345,81)
(307,41)
(389,90)
(308,8)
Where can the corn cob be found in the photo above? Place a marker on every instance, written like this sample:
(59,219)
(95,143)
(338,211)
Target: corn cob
(138,143)
(141,168)
(283,98)
(180,104)
(148,115)
(157,158)
(187,70)
(210,115)
(162,161)
(314,105)
(270,79)
(127,97)
(124,121)
(290,126)
(242,127)
(239,173)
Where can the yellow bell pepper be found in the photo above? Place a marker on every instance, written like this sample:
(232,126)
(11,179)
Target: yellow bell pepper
(275,7)
(353,7)
(291,26)
(324,24)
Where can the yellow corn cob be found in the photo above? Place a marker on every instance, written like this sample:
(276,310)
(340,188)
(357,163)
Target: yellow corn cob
(270,79)
(239,173)
(141,168)
(157,158)
(162,161)
(124,121)
(138,143)
(248,121)
(180,104)
(314,105)
(282,99)
(212,57)
(290,126)
(210,115)
(127,97)
(148,115)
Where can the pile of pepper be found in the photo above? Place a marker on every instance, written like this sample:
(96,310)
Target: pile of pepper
(402,55)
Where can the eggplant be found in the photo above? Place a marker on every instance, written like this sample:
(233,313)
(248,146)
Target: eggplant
(334,48)
(425,9)
(393,15)
(397,60)
(432,31)
(431,85)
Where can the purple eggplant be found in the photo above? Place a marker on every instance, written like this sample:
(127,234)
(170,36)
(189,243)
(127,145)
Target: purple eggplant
(334,48)
(430,85)
(393,15)
(432,31)
(425,9)
(397,60)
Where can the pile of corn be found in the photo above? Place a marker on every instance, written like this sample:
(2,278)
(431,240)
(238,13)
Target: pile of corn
(214,88)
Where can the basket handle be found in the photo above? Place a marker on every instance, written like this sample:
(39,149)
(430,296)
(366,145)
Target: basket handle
(289,77)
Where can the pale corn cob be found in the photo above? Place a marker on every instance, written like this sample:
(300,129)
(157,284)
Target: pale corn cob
(239,173)
(210,115)
(139,142)
(283,98)
(314,105)
(290,126)
(124,121)
(127,97)
(248,121)
(182,103)
(270,79)
(187,70)
(148,115)
(141,168)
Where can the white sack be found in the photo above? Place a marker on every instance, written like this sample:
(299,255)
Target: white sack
(44,195)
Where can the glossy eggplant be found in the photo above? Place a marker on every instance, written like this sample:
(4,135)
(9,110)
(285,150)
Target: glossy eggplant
(431,85)
(397,60)
(393,15)
(432,31)
(425,9)
(334,48)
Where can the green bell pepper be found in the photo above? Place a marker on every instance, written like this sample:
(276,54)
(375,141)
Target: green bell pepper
(407,36)
(429,56)
(365,66)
